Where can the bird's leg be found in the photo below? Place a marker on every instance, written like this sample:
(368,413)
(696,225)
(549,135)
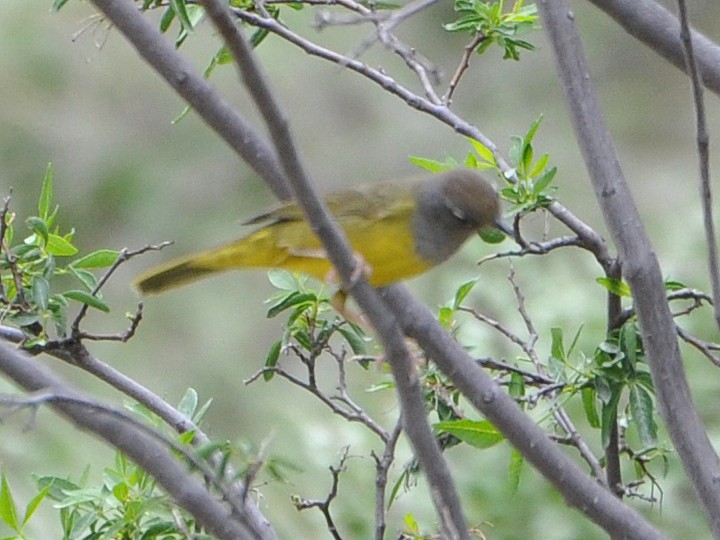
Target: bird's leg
(362,269)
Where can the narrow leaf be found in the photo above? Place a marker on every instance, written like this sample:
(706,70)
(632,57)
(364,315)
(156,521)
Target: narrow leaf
(8,512)
(483,151)
(272,359)
(46,193)
(97,259)
(480,434)
(41,292)
(87,298)
(356,342)
(641,408)
(557,349)
(189,402)
(463,291)
(431,165)
(515,470)
(58,246)
(589,406)
(34,503)
(615,286)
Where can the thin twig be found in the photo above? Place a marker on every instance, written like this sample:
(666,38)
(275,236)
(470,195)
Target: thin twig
(124,256)
(382,468)
(703,346)
(462,66)
(703,150)
(324,505)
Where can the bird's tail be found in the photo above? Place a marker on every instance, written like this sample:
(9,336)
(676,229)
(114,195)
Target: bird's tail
(171,275)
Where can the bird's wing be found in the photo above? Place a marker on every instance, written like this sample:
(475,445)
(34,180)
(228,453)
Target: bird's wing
(370,202)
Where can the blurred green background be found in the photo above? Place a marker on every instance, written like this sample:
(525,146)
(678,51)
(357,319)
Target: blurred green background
(77,95)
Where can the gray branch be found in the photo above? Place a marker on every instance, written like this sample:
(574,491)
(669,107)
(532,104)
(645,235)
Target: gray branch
(640,266)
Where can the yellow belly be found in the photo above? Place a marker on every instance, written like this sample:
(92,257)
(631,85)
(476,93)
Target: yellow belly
(386,246)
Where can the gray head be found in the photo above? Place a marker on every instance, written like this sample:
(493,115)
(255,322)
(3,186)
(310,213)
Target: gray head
(450,207)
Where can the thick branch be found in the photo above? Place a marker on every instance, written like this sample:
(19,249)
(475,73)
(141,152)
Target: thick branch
(638,260)
(442,488)
(146,451)
(659,29)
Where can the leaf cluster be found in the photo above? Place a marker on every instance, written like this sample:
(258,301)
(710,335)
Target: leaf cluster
(309,325)
(490,24)
(29,267)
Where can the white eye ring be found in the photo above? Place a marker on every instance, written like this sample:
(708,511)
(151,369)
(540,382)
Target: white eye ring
(455,211)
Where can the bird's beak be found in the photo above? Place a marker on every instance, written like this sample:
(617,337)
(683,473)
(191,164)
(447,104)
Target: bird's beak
(505,227)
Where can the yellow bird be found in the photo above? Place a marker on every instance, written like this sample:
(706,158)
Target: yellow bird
(400,228)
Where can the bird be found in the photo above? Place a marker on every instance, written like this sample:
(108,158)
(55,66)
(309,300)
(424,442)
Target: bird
(398,228)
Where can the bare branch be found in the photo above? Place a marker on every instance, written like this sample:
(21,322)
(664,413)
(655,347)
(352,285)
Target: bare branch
(703,149)
(704,347)
(324,505)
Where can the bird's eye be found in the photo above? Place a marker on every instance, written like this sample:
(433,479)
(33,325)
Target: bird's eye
(459,214)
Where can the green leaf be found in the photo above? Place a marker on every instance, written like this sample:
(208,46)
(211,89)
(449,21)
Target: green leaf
(411,526)
(673,285)
(483,151)
(543,181)
(516,150)
(167,19)
(530,135)
(446,316)
(86,277)
(491,235)
(101,258)
(282,279)
(8,511)
(557,350)
(433,165)
(480,434)
(588,401)
(41,292)
(56,486)
(291,300)
(272,359)
(527,156)
(462,292)
(515,470)
(178,6)
(629,338)
(641,408)
(615,286)
(540,165)
(39,227)
(58,246)
(34,503)
(356,342)
(201,412)
(189,402)
(609,415)
(516,388)
(58,4)
(46,194)
(87,298)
